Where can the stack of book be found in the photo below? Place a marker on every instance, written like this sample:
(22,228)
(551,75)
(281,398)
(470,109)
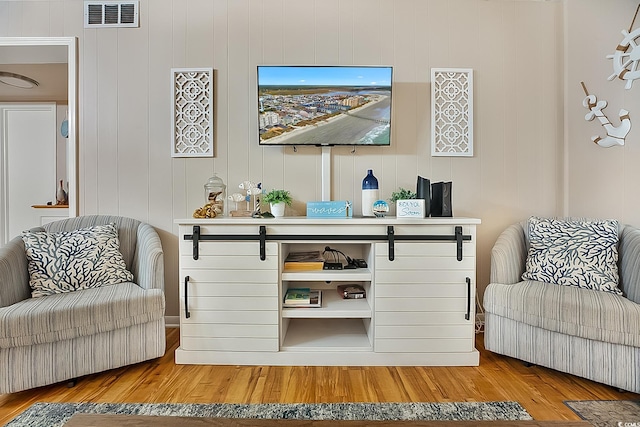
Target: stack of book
(302,297)
(309,260)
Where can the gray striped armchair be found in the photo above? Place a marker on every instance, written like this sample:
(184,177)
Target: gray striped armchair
(59,337)
(588,333)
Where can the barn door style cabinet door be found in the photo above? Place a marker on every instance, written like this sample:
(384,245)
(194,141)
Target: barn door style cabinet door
(418,307)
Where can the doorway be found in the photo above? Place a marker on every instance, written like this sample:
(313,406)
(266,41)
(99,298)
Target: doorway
(40,57)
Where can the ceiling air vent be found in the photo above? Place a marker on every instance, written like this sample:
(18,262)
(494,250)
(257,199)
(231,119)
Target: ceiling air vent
(109,14)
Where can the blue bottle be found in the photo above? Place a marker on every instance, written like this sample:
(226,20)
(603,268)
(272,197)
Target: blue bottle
(369,193)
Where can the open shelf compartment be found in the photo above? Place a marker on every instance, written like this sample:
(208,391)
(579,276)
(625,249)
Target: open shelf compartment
(333,306)
(327,335)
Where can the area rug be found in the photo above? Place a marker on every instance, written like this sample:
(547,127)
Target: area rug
(57,414)
(605,413)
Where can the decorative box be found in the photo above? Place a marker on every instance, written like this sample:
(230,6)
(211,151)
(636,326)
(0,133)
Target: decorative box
(330,209)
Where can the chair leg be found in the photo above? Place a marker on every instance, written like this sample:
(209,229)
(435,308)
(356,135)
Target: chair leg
(72,382)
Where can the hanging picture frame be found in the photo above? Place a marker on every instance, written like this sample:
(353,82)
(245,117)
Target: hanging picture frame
(192,112)
(452,112)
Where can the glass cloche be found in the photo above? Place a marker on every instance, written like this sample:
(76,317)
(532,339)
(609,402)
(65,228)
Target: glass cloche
(214,193)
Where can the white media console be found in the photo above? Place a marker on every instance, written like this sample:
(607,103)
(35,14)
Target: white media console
(420,292)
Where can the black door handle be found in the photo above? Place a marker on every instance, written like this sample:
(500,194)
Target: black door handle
(468,315)
(186,297)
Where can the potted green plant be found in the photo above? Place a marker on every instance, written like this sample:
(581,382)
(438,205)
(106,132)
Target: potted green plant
(402,194)
(277,200)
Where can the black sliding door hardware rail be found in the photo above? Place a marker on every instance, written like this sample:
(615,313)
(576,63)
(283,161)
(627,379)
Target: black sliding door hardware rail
(390,237)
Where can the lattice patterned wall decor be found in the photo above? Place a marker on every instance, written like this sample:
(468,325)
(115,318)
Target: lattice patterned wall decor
(451,112)
(192,118)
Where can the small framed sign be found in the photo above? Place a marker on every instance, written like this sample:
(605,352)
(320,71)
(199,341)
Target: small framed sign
(330,209)
(410,208)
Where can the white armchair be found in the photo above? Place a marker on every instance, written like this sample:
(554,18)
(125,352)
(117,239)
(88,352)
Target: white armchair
(58,337)
(588,333)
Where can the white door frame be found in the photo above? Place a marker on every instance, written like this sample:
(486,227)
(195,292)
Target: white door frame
(72,99)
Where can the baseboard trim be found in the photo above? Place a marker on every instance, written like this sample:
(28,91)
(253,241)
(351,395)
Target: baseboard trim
(172,321)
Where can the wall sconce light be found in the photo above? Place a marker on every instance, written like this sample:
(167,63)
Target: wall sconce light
(17,80)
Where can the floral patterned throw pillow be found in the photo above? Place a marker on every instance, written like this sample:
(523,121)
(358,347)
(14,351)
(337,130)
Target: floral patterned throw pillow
(72,260)
(574,253)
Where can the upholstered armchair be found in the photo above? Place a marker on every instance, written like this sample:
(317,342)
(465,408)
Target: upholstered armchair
(68,334)
(590,333)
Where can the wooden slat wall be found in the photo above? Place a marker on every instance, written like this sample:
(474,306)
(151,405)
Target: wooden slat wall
(514,47)
(600,182)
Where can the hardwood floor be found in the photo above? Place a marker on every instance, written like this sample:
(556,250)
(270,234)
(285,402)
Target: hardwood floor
(540,391)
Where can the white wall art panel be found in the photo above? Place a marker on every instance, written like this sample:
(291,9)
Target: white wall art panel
(192,118)
(451,112)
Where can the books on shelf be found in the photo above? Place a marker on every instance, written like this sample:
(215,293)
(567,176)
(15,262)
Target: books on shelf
(304,260)
(351,291)
(302,297)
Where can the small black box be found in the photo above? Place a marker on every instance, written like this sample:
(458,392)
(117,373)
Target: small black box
(360,263)
(332,266)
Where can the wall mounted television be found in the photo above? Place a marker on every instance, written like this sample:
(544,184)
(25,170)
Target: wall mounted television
(324,105)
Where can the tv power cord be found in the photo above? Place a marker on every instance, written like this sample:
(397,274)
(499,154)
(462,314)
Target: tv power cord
(351,263)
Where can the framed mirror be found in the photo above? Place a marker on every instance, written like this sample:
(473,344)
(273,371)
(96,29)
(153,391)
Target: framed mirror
(40,71)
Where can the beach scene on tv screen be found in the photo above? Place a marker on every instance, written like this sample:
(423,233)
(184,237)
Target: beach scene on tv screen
(314,105)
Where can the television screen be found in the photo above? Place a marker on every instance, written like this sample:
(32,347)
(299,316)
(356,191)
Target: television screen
(324,105)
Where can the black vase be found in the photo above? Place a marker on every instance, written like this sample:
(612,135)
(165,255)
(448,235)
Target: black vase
(423,191)
(441,199)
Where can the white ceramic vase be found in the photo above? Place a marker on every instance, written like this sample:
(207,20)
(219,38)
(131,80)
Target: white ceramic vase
(277,209)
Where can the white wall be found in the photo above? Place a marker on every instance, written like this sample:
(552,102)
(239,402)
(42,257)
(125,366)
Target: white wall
(601,182)
(514,47)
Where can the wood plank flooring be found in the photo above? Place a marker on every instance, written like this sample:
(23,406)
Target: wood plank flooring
(539,390)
